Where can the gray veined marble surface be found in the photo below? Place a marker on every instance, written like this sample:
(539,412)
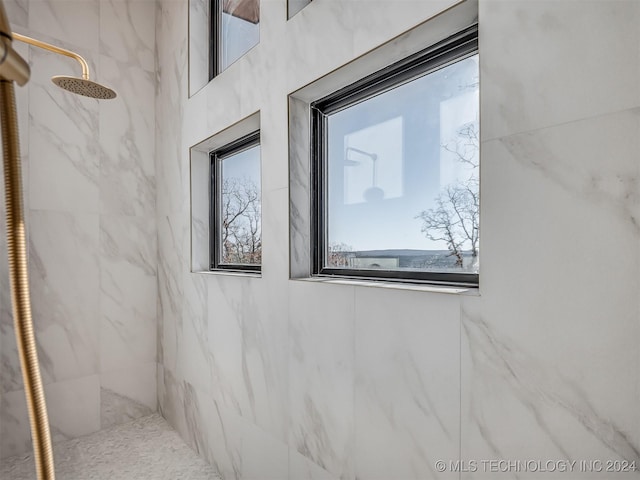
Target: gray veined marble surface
(145,449)
(89,175)
(354,382)
(273,379)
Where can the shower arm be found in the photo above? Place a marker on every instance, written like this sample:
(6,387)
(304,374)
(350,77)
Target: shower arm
(54,49)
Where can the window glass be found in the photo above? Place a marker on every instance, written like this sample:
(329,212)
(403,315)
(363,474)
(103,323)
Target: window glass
(220,32)
(236,205)
(240,29)
(401,176)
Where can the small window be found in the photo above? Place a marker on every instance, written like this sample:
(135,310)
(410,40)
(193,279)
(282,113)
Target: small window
(395,170)
(236,235)
(235,29)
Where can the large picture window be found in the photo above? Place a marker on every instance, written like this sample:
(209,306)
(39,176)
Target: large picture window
(236,236)
(396,170)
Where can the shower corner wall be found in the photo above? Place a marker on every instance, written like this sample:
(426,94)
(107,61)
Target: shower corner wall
(89,177)
(278,378)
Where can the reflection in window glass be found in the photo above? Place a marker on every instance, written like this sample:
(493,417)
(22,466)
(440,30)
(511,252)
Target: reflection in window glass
(239,29)
(236,203)
(401,178)
(373,174)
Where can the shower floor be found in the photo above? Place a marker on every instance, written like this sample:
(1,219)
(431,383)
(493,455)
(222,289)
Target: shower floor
(145,449)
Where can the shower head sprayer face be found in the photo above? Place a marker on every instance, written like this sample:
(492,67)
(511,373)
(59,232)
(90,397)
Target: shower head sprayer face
(84,87)
(81,86)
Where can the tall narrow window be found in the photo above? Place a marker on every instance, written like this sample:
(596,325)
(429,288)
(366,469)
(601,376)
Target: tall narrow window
(395,170)
(235,30)
(236,236)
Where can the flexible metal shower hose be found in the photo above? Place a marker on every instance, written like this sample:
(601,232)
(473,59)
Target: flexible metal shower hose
(17,250)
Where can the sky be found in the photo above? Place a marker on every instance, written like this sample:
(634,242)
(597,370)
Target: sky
(402,132)
(245,164)
(401,135)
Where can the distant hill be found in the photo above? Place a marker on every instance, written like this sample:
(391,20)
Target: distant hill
(400,252)
(416,259)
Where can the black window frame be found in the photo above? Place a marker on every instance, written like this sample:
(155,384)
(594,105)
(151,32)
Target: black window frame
(457,47)
(216,156)
(215,31)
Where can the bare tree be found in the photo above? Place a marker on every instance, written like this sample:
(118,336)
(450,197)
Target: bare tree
(466,145)
(339,254)
(241,232)
(455,217)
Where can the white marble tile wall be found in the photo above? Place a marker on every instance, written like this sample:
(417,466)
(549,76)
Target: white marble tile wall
(272,378)
(407,383)
(322,375)
(17,11)
(62,127)
(127,33)
(90,191)
(75,22)
(551,344)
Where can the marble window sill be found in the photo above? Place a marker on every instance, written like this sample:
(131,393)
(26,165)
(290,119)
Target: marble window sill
(228,273)
(447,289)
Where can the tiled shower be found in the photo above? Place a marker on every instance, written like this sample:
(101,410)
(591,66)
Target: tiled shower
(276,378)
(89,175)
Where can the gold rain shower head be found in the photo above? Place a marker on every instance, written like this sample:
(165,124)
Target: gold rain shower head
(84,87)
(81,86)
